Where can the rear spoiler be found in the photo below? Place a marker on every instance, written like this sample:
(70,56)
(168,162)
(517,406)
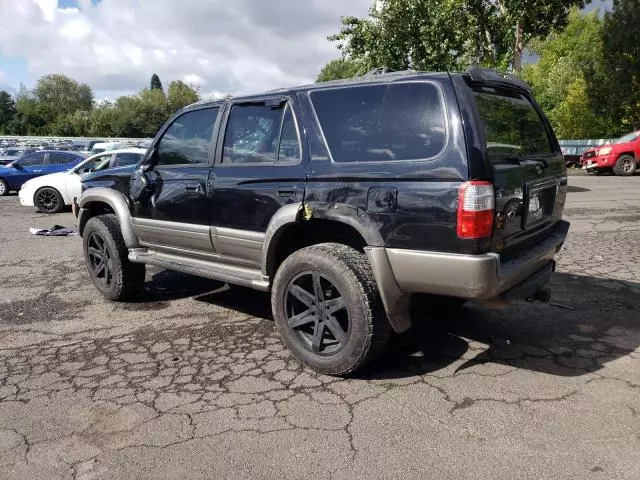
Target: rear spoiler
(490,75)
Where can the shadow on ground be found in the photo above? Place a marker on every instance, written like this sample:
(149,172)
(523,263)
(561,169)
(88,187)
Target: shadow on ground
(590,322)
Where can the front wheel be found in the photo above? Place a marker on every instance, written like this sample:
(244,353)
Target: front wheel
(49,200)
(625,166)
(106,257)
(327,308)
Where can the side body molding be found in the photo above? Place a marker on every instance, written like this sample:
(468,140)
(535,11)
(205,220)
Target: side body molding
(283,217)
(118,203)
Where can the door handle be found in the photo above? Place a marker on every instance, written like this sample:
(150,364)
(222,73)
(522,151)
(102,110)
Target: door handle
(287,191)
(193,187)
(37,171)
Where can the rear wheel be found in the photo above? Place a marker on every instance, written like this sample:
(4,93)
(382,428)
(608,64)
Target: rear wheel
(4,188)
(106,257)
(625,166)
(327,308)
(48,200)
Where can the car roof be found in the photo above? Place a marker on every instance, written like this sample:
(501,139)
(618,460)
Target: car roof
(370,79)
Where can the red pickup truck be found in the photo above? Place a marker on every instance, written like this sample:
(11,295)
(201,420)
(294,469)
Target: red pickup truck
(622,156)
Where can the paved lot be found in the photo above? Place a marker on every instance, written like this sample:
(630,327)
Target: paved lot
(192,382)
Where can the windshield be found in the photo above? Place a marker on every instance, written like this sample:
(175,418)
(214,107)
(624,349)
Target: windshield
(629,137)
(512,125)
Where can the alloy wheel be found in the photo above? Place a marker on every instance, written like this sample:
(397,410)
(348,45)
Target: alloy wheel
(100,261)
(47,200)
(317,313)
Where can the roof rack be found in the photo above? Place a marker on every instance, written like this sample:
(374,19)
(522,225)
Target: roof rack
(386,71)
(479,74)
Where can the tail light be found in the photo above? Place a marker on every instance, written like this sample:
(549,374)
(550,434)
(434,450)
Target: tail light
(476,210)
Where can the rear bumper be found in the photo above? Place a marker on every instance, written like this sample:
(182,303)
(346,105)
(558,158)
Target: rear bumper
(401,272)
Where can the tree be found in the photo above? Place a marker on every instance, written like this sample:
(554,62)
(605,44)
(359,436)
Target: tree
(449,34)
(559,82)
(614,80)
(60,95)
(339,69)
(7,109)
(179,95)
(156,84)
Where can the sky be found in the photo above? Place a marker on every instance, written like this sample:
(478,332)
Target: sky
(220,46)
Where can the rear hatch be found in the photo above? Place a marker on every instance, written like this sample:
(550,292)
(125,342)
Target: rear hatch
(527,166)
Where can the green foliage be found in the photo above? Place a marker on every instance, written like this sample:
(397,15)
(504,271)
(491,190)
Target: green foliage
(155,83)
(58,105)
(448,34)
(339,69)
(7,109)
(614,81)
(179,95)
(564,76)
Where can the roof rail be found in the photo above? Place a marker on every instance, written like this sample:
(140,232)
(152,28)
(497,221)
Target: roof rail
(386,71)
(479,74)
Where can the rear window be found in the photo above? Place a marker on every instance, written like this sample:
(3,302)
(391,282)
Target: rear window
(512,125)
(374,123)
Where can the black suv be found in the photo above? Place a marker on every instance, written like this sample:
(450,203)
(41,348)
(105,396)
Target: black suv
(342,199)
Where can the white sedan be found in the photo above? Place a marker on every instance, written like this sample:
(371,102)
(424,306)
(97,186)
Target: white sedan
(51,193)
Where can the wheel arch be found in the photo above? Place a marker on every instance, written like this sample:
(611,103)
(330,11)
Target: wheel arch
(296,226)
(98,201)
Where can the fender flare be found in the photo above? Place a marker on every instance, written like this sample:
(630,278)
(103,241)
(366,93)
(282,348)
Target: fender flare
(294,212)
(118,203)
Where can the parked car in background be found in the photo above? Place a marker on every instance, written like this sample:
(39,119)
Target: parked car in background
(622,156)
(104,147)
(13,153)
(34,165)
(51,193)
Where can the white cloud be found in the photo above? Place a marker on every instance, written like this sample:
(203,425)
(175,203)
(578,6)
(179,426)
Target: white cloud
(236,47)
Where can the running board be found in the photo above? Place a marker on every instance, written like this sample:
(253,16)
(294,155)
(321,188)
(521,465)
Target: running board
(246,277)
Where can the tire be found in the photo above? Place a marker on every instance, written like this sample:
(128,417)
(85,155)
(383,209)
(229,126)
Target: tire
(118,279)
(4,188)
(347,338)
(48,200)
(625,166)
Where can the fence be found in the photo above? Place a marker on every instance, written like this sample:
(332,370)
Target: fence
(575,148)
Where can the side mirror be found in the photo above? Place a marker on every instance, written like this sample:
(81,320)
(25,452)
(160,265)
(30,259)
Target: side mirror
(150,161)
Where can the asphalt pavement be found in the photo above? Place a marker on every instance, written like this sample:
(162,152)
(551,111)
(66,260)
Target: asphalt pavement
(192,381)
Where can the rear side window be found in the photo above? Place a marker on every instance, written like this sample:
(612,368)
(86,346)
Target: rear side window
(60,158)
(391,122)
(188,139)
(512,125)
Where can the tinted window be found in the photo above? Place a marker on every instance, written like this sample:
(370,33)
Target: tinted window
(257,133)
(127,159)
(289,143)
(33,160)
(512,125)
(60,158)
(402,121)
(188,138)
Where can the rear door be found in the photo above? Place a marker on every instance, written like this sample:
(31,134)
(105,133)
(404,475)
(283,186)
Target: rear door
(527,165)
(258,171)
(60,161)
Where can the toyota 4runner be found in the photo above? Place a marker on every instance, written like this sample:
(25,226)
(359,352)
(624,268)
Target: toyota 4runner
(342,199)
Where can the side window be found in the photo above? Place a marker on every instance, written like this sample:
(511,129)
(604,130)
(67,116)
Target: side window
(188,139)
(377,123)
(289,150)
(257,133)
(123,159)
(34,160)
(56,158)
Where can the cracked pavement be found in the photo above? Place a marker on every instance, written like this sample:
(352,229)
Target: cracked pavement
(193,382)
